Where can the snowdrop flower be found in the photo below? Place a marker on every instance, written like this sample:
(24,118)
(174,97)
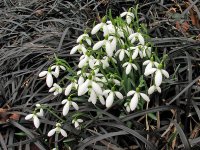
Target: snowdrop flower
(136,36)
(76,123)
(136,52)
(158,74)
(35,118)
(72,85)
(149,64)
(49,77)
(67,105)
(136,96)
(129,16)
(85,60)
(129,66)
(56,89)
(57,69)
(81,48)
(84,37)
(89,84)
(94,96)
(110,94)
(57,130)
(99,26)
(153,88)
(127,105)
(107,45)
(121,53)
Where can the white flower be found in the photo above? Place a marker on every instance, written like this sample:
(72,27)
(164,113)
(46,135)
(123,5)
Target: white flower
(136,36)
(84,37)
(83,88)
(127,105)
(129,16)
(85,60)
(41,112)
(129,66)
(94,96)
(158,74)
(107,45)
(57,69)
(153,88)
(57,130)
(67,105)
(49,77)
(56,89)
(110,94)
(100,26)
(149,64)
(81,48)
(35,118)
(76,123)
(72,85)
(136,97)
(122,53)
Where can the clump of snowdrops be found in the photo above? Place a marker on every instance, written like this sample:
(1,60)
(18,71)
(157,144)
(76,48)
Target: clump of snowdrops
(117,66)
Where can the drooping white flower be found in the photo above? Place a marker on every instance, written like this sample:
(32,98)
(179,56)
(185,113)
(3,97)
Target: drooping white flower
(67,105)
(56,89)
(129,66)
(136,96)
(129,16)
(77,122)
(49,77)
(110,94)
(99,26)
(89,84)
(80,47)
(72,85)
(57,69)
(158,74)
(84,37)
(127,105)
(34,117)
(154,88)
(136,36)
(86,60)
(121,53)
(107,45)
(57,130)
(94,96)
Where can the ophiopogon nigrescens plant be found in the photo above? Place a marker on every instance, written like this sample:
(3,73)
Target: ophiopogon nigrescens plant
(117,66)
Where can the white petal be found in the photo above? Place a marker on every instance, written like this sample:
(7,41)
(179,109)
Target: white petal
(141,39)
(52,89)
(134,66)
(109,100)
(93,97)
(158,89)
(130,14)
(88,41)
(105,92)
(55,74)
(75,106)
(97,88)
(80,120)
(64,101)
(83,49)
(109,50)
(96,28)
(151,89)
(105,30)
(119,95)
(63,132)
(158,78)
(123,14)
(128,69)
(43,73)
(98,45)
(49,79)
(66,108)
(80,80)
(149,71)
(40,113)
(36,121)
(83,62)
(29,116)
(68,89)
(57,70)
(83,88)
(145,97)
(76,124)
(51,132)
(74,49)
(80,38)
(146,62)
(135,53)
(134,102)
(130,93)
(121,55)
(128,19)
(125,64)
(165,73)
(101,99)
(114,44)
